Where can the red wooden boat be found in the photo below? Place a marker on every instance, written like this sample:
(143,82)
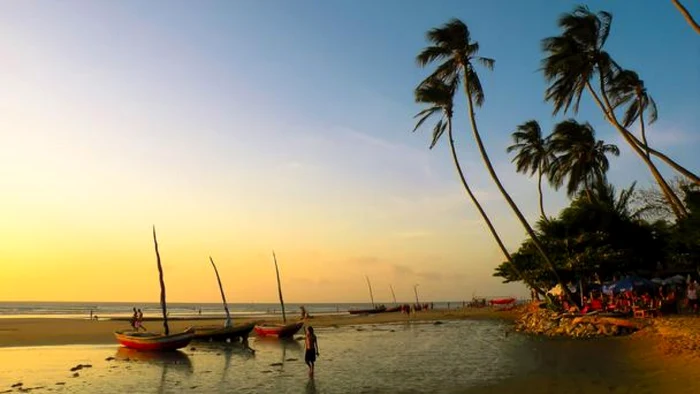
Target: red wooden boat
(151,341)
(278,330)
(502,301)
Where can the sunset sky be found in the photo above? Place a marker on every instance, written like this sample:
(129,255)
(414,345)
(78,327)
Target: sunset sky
(238,127)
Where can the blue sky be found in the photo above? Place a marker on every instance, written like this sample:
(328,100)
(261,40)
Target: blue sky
(289,122)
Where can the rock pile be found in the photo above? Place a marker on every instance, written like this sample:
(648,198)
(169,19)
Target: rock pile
(539,321)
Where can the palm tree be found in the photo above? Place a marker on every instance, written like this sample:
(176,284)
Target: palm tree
(438,95)
(579,157)
(687,16)
(573,59)
(533,154)
(451,44)
(627,89)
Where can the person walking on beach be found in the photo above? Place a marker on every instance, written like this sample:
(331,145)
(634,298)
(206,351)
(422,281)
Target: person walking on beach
(311,349)
(139,321)
(134,319)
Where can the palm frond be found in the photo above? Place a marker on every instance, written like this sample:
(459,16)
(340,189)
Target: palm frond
(432,54)
(486,62)
(425,117)
(438,131)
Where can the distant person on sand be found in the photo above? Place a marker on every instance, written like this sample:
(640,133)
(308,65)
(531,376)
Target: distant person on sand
(304,313)
(311,349)
(134,319)
(139,321)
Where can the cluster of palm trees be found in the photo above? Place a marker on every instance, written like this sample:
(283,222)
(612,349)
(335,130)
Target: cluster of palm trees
(574,61)
(570,153)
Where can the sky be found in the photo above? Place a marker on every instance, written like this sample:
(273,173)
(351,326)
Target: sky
(239,127)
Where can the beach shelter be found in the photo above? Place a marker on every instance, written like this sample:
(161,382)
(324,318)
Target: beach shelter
(674,280)
(633,283)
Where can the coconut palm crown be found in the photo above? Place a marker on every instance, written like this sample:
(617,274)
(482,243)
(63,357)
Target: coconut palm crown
(581,160)
(532,154)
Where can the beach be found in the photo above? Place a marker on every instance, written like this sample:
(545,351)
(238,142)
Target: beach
(459,355)
(70,331)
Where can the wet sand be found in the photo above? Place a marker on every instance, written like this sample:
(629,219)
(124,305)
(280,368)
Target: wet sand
(58,331)
(418,357)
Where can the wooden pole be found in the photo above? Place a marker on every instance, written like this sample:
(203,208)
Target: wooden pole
(415,291)
(223,296)
(279,288)
(371,297)
(392,293)
(162,284)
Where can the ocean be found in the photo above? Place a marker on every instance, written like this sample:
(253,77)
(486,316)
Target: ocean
(175,309)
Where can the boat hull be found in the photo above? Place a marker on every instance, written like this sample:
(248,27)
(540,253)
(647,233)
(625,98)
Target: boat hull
(366,311)
(278,331)
(154,342)
(222,334)
(502,301)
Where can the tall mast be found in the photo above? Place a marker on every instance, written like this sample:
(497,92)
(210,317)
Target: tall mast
(370,290)
(162,284)
(223,296)
(279,288)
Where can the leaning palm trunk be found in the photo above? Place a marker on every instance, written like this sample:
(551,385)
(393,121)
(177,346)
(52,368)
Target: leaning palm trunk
(673,200)
(642,126)
(494,176)
(679,168)
(483,213)
(687,16)
(539,189)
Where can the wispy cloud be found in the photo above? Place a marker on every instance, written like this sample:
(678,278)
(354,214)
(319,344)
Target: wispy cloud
(413,234)
(405,272)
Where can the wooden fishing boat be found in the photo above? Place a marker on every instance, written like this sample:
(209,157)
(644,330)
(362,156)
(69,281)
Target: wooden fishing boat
(152,341)
(278,330)
(226,332)
(393,309)
(219,333)
(378,309)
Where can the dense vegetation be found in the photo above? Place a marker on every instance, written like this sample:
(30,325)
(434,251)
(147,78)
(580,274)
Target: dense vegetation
(603,232)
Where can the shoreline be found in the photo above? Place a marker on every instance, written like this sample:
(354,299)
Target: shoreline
(31,332)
